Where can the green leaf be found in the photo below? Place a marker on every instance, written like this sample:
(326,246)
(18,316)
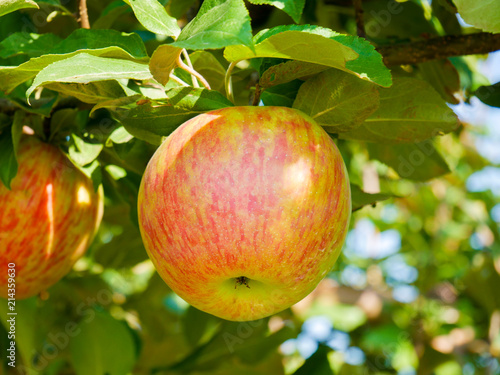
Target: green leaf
(58,5)
(150,119)
(281,95)
(296,45)
(337,101)
(120,135)
(105,43)
(104,345)
(9,141)
(288,71)
(219,23)
(63,122)
(115,172)
(310,29)
(42,107)
(395,20)
(9,6)
(257,350)
(163,61)
(317,45)
(85,68)
(247,340)
(17,130)
(125,249)
(443,76)
(26,327)
(317,364)
(110,14)
(481,285)
(359,198)
(112,43)
(410,111)
(198,326)
(83,153)
(8,162)
(446,14)
(419,161)
(94,172)
(153,16)
(125,191)
(92,92)
(481,14)
(369,64)
(29,44)
(293,8)
(209,67)
(489,94)
(5,120)
(178,8)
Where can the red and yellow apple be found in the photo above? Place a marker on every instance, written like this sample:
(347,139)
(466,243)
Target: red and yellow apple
(47,219)
(243,210)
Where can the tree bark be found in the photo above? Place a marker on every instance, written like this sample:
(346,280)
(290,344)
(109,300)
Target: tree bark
(439,48)
(358,13)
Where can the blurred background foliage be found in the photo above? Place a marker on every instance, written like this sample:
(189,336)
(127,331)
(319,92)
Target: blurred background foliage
(416,290)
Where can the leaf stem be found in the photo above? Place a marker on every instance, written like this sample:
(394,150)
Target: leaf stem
(193,72)
(178,80)
(84,15)
(228,82)
(188,63)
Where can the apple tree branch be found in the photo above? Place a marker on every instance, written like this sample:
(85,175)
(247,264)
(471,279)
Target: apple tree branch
(439,48)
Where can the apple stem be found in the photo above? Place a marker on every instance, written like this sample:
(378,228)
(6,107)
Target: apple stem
(228,82)
(242,280)
(191,71)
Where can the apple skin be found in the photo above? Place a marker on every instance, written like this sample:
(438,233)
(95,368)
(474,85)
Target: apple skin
(244,210)
(47,220)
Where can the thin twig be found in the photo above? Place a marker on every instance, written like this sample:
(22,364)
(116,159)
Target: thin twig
(188,63)
(358,13)
(256,96)
(228,81)
(84,15)
(183,66)
(439,48)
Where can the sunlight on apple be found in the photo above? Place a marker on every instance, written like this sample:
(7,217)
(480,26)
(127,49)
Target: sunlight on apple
(296,176)
(28,130)
(83,196)
(50,214)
